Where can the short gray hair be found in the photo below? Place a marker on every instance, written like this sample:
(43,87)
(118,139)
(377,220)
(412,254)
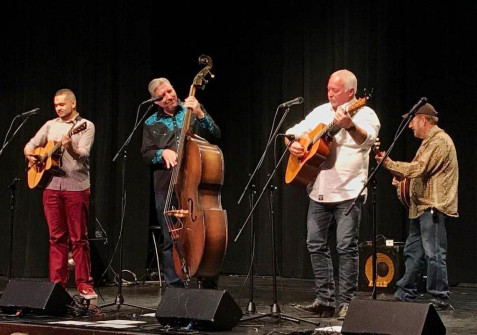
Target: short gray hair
(155,83)
(349,79)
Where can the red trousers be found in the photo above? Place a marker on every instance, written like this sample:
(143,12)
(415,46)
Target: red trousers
(66,214)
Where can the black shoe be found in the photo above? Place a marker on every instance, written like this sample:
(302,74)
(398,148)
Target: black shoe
(441,305)
(321,311)
(343,311)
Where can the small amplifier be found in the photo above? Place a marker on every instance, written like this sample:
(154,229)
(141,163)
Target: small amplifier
(389,267)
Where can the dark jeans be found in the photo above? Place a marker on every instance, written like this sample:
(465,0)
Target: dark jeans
(426,244)
(322,218)
(170,275)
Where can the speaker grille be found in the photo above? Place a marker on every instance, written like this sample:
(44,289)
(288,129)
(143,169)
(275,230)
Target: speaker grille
(199,308)
(35,297)
(391,317)
(389,268)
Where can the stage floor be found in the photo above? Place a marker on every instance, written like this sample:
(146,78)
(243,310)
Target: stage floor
(137,313)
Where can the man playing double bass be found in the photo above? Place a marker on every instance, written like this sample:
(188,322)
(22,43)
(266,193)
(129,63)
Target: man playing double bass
(161,133)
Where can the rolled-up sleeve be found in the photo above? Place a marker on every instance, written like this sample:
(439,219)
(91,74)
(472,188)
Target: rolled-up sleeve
(85,141)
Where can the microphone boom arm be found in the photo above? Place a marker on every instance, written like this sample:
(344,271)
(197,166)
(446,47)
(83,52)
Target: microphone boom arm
(264,153)
(6,142)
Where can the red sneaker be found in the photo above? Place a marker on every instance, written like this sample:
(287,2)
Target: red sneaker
(87,292)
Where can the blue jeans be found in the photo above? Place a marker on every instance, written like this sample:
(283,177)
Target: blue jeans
(170,274)
(322,219)
(425,244)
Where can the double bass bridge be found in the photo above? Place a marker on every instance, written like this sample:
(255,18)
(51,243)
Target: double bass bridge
(178,213)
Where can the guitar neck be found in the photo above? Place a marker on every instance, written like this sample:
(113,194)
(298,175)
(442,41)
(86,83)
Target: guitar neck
(322,132)
(54,149)
(58,145)
(351,109)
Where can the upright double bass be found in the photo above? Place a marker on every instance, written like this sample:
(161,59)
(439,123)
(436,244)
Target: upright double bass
(198,227)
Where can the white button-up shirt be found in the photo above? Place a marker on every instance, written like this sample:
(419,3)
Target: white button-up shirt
(344,172)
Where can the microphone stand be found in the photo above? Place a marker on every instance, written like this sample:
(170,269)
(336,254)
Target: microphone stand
(119,300)
(275,308)
(371,178)
(251,309)
(251,305)
(12,187)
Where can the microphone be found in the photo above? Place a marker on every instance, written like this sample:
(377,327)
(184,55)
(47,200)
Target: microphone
(414,108)
(296,101)
(159,98)
(29,113)
(290,137)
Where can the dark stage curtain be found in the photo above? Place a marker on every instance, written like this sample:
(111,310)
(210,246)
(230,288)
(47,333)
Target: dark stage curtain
(263,54)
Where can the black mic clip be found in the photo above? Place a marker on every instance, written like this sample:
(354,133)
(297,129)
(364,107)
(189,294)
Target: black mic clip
(29,113)
(159,98)
(415,108)
(296,101)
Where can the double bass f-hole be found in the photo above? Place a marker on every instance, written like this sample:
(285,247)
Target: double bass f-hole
(192,216)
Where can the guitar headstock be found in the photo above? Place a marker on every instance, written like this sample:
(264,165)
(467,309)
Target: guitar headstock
(359,103)
(368,95)
(376,146)
(78,129)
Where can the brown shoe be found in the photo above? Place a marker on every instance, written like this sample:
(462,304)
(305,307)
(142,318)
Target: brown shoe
(441,305)
(343,310)
(321,311)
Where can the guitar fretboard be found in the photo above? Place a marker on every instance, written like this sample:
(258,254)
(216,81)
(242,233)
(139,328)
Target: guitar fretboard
(328,129)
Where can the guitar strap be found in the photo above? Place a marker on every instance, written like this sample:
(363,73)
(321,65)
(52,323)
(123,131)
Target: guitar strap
(77,118)
(60,152)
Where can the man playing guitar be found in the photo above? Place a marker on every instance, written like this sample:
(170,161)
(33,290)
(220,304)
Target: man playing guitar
(66,193)
(433,175)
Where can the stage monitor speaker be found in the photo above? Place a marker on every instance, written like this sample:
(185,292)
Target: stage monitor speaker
(35,297)
(389,267)
(203,309)
(391,318)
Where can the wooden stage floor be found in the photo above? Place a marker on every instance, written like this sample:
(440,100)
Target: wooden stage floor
(137,313)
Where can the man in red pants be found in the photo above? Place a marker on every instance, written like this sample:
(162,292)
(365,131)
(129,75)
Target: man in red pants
(67,191)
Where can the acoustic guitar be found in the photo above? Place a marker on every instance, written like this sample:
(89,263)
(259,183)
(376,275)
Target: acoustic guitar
(301,170)
(403,187)
(48,161)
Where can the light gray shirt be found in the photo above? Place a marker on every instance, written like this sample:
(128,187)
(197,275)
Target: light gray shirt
(73,174)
